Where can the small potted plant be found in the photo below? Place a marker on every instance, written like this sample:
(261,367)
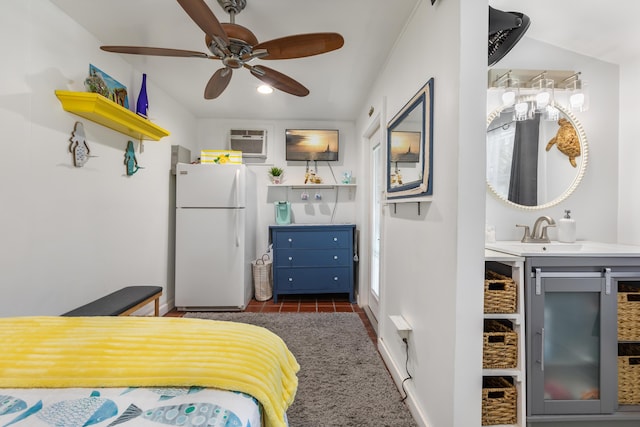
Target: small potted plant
(276,174)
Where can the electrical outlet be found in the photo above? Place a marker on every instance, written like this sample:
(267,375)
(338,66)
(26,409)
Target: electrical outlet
(402,326)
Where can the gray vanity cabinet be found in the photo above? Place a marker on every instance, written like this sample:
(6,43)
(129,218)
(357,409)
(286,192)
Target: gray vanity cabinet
(572,342)
(572,338)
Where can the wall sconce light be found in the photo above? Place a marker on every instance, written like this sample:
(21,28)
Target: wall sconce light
(509,87)
(543,88)
(578,93)
(531,92)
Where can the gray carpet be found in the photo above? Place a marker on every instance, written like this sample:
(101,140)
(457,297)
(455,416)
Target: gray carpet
(342,379)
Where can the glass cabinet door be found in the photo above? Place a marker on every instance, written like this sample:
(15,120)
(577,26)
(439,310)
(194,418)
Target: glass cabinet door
(572,362)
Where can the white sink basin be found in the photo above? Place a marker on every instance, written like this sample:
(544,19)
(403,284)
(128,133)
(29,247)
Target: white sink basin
(580,248)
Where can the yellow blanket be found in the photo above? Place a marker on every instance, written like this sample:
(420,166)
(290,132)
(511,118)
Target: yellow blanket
(41,352)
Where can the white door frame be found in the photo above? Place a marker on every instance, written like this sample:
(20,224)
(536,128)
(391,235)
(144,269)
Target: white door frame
(374,134)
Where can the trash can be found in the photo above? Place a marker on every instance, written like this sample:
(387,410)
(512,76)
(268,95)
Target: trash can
(262,281)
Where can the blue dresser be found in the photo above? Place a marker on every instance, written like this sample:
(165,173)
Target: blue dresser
(312,259)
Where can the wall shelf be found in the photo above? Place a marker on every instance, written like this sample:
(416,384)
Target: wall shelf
(103,111)
(318,186)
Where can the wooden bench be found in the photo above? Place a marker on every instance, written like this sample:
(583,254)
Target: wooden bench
(121,303)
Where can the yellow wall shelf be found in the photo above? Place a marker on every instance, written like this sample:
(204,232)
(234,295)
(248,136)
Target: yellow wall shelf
(101,110)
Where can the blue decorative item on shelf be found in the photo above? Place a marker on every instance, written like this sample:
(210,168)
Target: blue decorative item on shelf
(130,160)
(142,107)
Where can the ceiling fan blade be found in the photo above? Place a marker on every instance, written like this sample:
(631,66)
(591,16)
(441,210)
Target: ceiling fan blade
(218,83)
(156,51)
(278,80)
(204,18)
(301,45)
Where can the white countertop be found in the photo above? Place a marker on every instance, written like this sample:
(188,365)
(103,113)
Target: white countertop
(491,255)
(581,248)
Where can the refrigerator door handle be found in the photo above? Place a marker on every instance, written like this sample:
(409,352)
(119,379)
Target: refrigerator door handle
(237,184)
(237,233)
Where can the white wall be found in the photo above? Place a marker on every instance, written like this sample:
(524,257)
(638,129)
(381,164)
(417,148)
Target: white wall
(433,262)
(598,190)
(70,235)
(629,210)
(213,135)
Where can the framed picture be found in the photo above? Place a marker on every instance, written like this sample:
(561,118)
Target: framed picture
(410,148)
(312,144)
(405,146)
(102,83)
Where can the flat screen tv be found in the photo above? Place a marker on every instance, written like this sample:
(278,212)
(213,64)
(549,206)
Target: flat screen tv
(311,144)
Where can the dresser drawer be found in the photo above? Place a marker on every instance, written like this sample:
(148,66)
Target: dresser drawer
(313,258)
(313,280)
(310,239)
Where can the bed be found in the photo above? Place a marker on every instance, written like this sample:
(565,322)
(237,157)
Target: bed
(142,371)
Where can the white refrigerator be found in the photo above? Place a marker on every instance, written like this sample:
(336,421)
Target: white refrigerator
(215,236)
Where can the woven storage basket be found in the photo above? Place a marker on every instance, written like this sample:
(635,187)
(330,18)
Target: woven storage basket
(262,280)
(628,312)
(498,401)
(500,293)
(629,374)
(500,346)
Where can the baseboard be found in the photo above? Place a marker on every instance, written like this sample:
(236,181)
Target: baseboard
(398,374)
(372,318)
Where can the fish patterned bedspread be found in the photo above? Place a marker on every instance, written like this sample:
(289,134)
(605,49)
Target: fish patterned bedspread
(101,352)
(134,407)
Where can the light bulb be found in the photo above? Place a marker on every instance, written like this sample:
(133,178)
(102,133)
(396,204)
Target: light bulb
(520,111)
(577,101)
(508,98)
(266,89)
(542,100)
(551,113)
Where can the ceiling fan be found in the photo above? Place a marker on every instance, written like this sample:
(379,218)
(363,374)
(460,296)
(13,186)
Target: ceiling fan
(236,46)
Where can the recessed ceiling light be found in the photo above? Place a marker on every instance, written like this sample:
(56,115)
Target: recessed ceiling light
(265,89)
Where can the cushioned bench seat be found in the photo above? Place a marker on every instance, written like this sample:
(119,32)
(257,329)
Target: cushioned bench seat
(121,303)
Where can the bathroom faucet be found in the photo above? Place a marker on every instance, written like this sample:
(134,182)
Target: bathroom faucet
(539,233)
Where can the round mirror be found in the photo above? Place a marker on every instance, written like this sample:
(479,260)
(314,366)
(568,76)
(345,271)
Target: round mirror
(535,163)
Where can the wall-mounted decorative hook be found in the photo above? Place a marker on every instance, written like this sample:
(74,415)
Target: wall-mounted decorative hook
(78,146)
(130,160)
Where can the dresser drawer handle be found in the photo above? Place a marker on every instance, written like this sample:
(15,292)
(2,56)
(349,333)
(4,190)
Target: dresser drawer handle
(291,279)
(335,278)
(290,258)
(335,257)
(290,239)
(335,239)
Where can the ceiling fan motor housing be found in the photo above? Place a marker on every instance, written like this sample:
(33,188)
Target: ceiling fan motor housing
(232,6)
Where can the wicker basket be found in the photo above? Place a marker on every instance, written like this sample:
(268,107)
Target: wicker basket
(629,374)
(628,312)
(262,280)
(500,293)
(500,346)
(498,401)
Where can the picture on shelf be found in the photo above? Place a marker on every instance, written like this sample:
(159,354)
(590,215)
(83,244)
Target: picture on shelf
(311,144)
(405,146)
(102,83)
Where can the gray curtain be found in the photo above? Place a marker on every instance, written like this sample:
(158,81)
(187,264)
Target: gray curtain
(523,186)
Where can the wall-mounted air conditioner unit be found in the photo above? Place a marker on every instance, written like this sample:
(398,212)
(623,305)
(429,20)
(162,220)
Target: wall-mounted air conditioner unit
(252,143)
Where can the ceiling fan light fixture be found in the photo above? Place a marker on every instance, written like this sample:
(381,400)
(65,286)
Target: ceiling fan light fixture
(235,45)
(265,89)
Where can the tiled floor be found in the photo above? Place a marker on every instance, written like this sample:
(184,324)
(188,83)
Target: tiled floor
(305,304)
